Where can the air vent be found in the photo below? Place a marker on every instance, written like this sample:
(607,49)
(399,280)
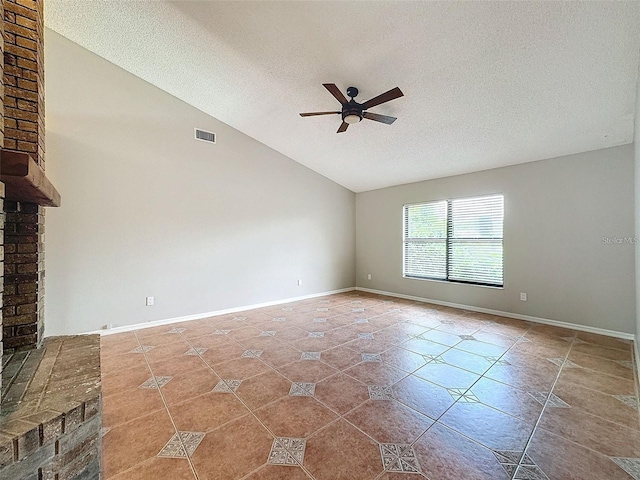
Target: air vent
(205,136)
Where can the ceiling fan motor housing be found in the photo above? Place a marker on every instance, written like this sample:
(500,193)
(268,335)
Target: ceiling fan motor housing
(350,111)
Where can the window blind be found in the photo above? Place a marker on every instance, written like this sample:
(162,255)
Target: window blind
(457,240)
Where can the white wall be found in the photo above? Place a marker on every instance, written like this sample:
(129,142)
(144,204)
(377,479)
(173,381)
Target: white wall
(557,212)
(636,151)
(147,210)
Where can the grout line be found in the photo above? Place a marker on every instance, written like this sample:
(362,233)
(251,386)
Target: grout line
(44,389)
(343,416)
(409,308)
(339,416)
(166,406)
(243,402)
(544,407)
(437,421)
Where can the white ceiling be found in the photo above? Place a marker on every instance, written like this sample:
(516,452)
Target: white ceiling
(485,84)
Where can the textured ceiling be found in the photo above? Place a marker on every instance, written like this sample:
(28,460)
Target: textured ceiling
(485,84)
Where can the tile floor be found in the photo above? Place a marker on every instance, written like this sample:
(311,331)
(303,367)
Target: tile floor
(359,386)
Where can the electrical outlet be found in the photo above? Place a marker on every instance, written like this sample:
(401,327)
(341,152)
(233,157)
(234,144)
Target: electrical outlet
(108,326)
(523,296)
(299,283)
(369,277)
(150,301)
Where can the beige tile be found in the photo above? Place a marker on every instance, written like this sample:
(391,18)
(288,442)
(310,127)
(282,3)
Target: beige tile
(446,455)
(296,417)
(128,445)
(341,452)
(240,448)
(389,421)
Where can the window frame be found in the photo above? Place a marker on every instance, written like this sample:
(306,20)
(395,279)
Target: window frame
(447,241)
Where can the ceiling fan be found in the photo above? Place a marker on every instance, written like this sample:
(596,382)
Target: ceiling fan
(352,111)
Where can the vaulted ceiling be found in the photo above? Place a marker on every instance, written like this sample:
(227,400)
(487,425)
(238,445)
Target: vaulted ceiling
(486,84)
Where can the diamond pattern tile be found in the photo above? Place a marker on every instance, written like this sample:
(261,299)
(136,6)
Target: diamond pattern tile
(434,358)
(630,400)
(310,356)
(463,395)
(530,472)
(562,362)
(380,392)
(522,465)
(508,456)
(625,363)
(556,361)
(251,353)
(196,351)
(575,340)
(227,386)
(498,361)
(142,349)
(371,357)
(181,445)
(554,401)
(629,465)
(570,364)
(155,382)
(287,451)
(352,380)
(302,389)
(399,457)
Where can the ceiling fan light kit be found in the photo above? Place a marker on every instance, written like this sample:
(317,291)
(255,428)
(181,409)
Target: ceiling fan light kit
(354,112)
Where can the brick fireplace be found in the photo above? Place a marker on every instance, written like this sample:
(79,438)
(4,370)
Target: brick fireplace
(23,103)
(50,409)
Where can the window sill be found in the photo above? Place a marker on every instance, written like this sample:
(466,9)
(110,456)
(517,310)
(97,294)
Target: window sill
(449,282)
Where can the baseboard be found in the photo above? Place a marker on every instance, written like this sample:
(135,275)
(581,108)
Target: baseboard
(199,316)
(517,316)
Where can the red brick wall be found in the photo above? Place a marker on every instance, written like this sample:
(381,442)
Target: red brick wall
(23,310)
(23,79)
(1,184)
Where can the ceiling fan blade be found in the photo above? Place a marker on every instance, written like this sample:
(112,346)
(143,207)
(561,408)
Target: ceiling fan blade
(317,113)
(379,118)
(343,127)
(335,91)
(383,98)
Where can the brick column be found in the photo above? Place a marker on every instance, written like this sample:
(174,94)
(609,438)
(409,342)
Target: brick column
(2,215)
(23,299)
(24,77)
(23,80)
(1,184)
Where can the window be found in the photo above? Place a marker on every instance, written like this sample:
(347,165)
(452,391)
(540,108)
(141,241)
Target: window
(457,240)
